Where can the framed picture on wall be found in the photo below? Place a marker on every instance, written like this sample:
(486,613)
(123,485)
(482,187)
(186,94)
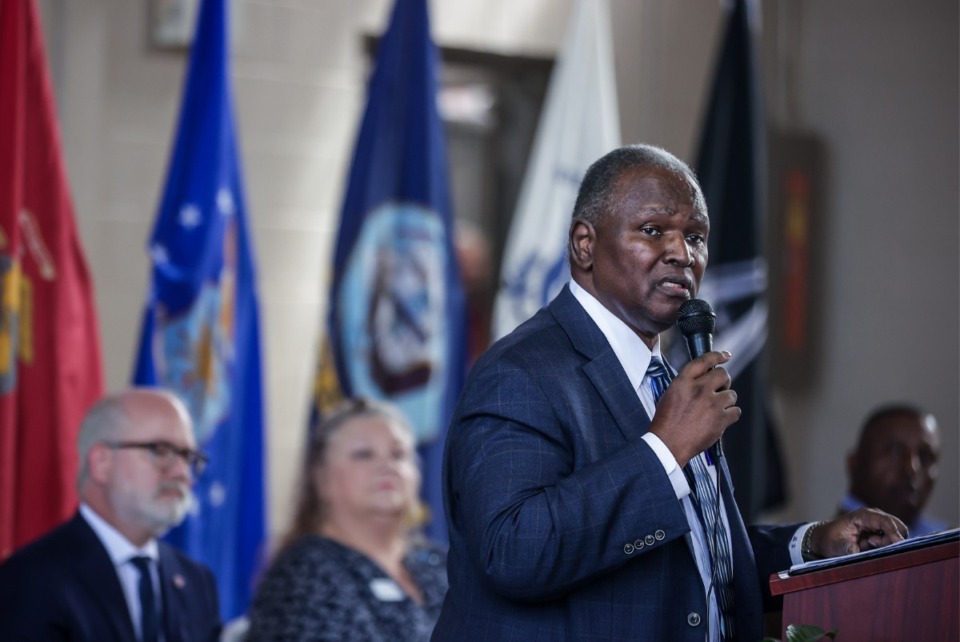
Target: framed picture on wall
(172,23)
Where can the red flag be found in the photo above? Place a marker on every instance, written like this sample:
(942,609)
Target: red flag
(50,369)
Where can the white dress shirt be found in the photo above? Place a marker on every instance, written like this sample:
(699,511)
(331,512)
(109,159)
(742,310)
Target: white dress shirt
(121,550)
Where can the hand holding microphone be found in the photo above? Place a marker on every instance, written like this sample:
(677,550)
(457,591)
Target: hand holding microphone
(699,404)
(697,321)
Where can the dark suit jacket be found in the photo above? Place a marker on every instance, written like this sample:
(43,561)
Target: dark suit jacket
(563,524)
(63,586)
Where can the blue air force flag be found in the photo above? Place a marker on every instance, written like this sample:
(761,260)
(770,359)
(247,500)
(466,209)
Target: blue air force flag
(200,333)
(580,123)
(396,325)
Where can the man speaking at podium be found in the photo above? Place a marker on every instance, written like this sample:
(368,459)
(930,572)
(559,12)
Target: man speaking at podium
(580,501)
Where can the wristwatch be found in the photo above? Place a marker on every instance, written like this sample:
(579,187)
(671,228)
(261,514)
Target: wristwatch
(805,546)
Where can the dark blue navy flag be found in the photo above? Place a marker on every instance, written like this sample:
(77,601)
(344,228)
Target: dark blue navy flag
(731,166)
(200,333)
(396,325)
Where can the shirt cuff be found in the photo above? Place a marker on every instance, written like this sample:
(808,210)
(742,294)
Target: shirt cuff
(679,481)
(796,554)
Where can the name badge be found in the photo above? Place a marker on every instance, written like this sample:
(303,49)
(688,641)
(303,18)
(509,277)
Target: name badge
(386,590)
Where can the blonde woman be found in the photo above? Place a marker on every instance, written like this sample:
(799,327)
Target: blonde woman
(351,566)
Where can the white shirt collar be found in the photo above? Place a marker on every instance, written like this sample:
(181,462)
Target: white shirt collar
(119,548)
(631,351)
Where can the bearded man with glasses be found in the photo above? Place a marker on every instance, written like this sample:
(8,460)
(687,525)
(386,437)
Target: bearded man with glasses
(104,575)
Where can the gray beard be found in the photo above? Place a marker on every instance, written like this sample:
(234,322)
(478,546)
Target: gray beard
(162,518)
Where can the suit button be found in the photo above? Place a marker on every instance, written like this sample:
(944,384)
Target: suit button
(693,619)
(638,544)
(650,540)
(659,534)
(628,548)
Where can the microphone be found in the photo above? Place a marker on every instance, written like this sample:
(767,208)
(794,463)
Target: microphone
(696,321)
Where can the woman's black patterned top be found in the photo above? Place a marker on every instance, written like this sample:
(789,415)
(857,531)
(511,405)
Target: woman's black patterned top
(319,589)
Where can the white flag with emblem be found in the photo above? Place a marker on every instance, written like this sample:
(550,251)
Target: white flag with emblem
(579,124)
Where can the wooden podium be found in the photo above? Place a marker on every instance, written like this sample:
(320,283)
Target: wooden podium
(908,595)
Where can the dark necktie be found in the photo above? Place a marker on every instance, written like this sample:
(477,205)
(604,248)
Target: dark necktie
(148,604)
(708,507)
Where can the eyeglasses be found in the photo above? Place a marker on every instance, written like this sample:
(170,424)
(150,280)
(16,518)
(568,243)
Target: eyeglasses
(164,454)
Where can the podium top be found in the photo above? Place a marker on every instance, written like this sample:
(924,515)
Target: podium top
(908,552)
(908,544)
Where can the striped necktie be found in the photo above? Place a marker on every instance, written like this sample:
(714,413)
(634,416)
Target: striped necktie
(708,508)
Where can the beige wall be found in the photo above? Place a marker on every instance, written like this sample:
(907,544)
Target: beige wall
(878,82)
(877,79)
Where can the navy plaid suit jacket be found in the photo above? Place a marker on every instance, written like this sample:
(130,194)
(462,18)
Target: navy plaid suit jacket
(563,524)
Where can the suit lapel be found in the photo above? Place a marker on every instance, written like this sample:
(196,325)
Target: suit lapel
(603,369)
(173,588)
(96,571)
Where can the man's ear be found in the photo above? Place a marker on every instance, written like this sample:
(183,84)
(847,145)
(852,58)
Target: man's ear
(99,458)
(582,236)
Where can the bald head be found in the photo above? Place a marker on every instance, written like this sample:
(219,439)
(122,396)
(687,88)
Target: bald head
(114,418)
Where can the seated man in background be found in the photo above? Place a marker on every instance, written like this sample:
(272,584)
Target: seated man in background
(103,576)
(894,466)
